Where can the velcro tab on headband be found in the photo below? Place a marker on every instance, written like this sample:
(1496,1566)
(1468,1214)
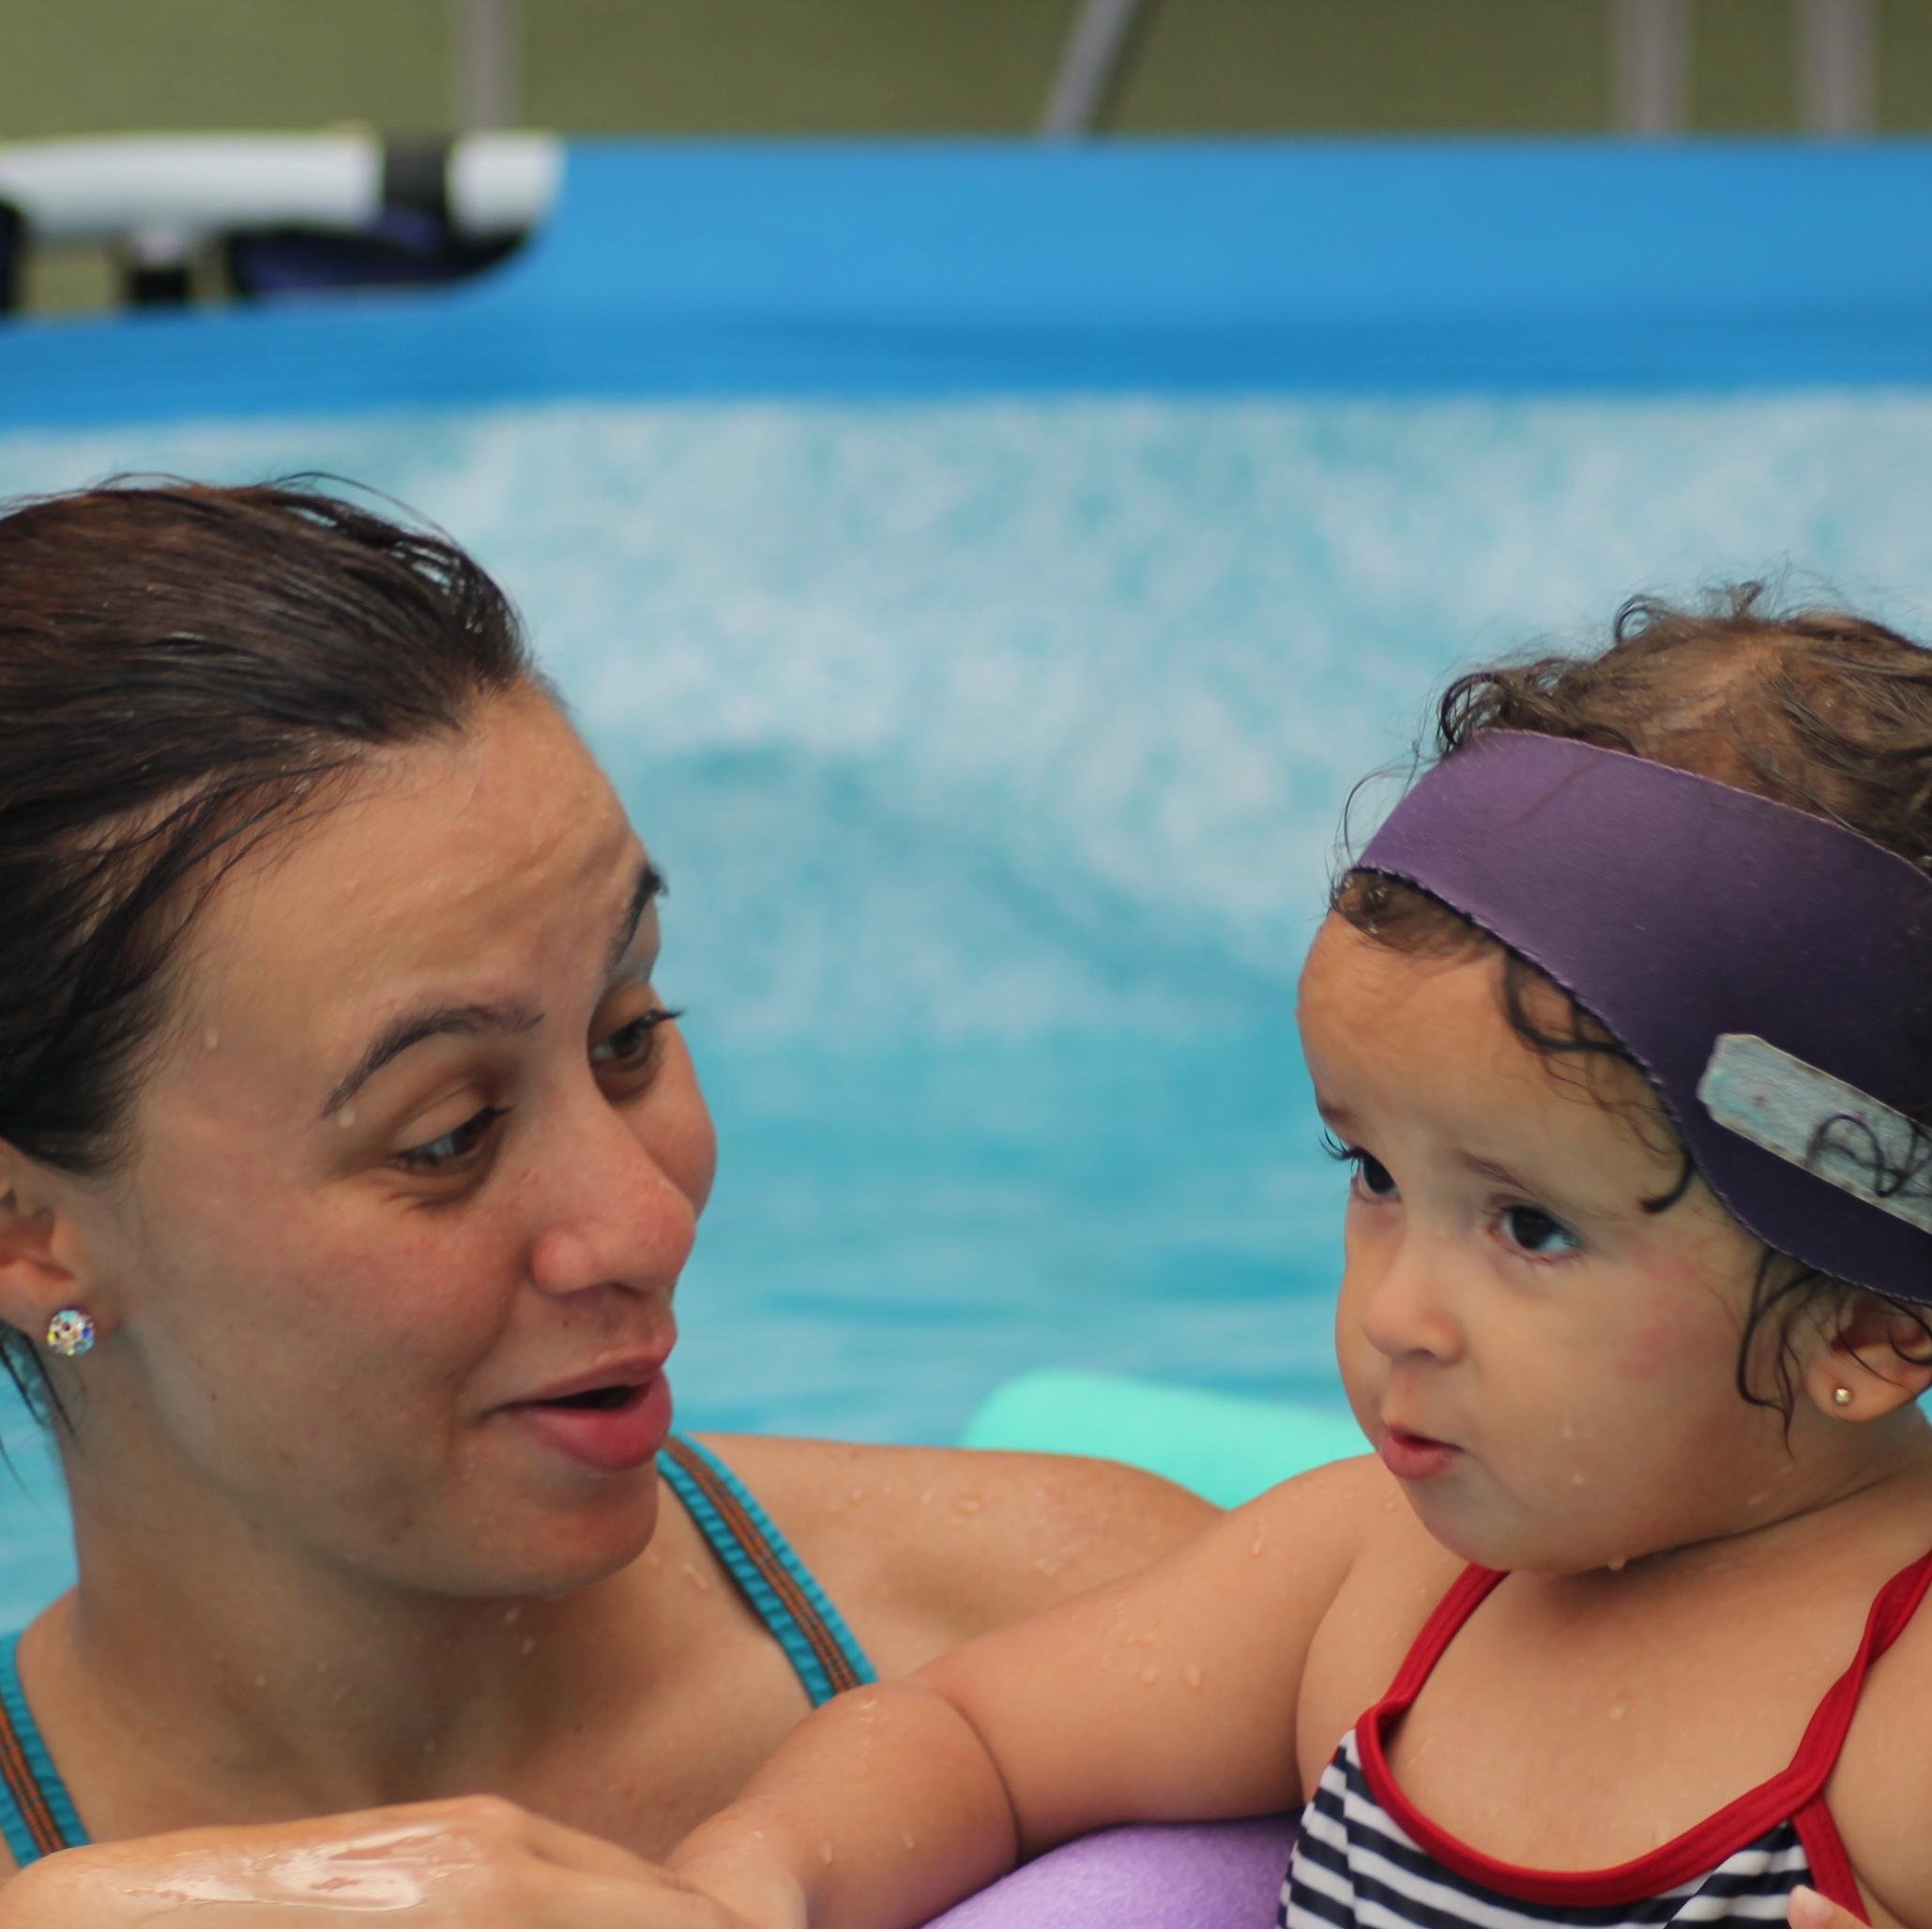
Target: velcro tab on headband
(1829,1128)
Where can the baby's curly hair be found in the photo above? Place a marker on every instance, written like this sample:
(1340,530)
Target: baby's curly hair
(1820,709)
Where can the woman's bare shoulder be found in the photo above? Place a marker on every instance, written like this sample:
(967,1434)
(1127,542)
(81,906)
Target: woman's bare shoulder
(924,1547)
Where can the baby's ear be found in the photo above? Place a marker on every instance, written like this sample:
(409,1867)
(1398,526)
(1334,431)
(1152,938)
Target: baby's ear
(1875,1359)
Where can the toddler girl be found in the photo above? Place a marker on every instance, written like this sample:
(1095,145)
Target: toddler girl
(1623,1029)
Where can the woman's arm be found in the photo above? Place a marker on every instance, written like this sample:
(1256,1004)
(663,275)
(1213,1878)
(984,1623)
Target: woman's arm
(1169,1695)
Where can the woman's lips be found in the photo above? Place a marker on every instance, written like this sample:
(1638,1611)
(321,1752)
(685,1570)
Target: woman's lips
(608,1439)
(1415,1456)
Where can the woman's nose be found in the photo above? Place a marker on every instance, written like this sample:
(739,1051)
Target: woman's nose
(613,1216)
(1405,1310)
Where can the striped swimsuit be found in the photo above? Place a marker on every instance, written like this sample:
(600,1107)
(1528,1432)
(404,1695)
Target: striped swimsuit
(37,1813)
(1368,1859)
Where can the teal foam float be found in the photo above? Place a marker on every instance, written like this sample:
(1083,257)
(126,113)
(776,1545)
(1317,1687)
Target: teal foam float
(1226,1447)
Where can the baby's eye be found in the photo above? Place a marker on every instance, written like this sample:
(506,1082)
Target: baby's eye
(1534,1233)
(1373,1180)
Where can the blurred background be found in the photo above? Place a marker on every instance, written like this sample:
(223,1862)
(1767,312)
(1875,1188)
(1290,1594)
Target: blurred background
(990,480)
(1003,67)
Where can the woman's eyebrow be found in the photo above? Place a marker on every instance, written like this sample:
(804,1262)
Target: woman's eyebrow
(411,1027)
(650,884)
(472,1021)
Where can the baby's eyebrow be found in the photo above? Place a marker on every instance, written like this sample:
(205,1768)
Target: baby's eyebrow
(1488,1168)
(1494,1170)
(1343,1120)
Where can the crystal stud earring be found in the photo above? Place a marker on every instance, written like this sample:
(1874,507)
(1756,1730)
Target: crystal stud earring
(71,1332)
(1841,1396)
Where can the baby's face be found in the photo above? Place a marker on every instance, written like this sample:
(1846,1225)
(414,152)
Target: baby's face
(1546,1366)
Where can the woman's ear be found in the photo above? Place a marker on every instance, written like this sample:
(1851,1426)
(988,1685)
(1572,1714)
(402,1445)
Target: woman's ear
(1871,1359)
(37,1277)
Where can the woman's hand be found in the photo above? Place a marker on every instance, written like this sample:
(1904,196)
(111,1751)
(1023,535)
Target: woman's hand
(476,1862)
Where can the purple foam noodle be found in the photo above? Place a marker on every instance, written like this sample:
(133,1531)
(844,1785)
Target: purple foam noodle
(1676,910)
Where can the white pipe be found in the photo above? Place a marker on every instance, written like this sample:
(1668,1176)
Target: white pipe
(1089,66)
(488,38)
(1651,62)
(504,183)
(1837,66)
(102,190)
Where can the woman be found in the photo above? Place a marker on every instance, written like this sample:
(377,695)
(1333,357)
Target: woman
(348,1163)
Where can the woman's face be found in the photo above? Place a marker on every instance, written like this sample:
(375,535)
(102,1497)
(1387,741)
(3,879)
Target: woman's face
(422,1150)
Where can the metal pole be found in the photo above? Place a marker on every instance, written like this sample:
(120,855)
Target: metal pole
(1091,66)
(487,84)
(1651,45)
(1837,66)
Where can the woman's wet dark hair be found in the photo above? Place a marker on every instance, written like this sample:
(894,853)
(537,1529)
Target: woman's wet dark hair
(1823,710)
(183,669)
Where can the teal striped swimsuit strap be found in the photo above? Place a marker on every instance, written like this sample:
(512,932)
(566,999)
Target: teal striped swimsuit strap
(37,1813)
(768,1573)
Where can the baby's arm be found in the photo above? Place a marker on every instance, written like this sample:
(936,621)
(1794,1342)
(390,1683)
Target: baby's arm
(1171,1695)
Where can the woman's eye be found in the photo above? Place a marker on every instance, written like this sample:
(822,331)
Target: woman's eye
(455,1147)
(1533,1231)
(631,1044)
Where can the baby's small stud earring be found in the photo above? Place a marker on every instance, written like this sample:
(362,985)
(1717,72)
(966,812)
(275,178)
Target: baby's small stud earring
(1841,1396)
(71,1332)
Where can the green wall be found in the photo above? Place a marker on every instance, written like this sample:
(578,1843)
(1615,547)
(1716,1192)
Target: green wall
(900,66)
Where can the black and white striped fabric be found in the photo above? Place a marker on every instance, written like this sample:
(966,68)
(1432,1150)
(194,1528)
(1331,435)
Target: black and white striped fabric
(1354,1868)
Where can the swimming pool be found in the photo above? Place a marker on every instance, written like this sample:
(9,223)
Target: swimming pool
(995,746)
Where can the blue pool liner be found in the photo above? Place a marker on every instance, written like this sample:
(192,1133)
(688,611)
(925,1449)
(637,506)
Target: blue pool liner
(944,268)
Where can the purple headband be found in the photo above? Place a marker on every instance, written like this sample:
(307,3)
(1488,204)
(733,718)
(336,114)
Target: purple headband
(1769,970)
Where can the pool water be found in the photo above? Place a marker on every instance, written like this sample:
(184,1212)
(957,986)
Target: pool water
(996,754)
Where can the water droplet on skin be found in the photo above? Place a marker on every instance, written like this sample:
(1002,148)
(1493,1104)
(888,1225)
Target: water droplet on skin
(345,1117)
(925,1499)
(1150,1674)
(907,1836)
(260,1681)
(530,1644)
(968,1503)
(825,1853)
(1389,1502)
(696,1579)
(857,1494)
(1044,1566)
(211,1039)
(1568,1428)
(513,1616)
(1260,1541)
(1618,1565)
(1192,1673)
(1618,1712)
(1577,1481)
